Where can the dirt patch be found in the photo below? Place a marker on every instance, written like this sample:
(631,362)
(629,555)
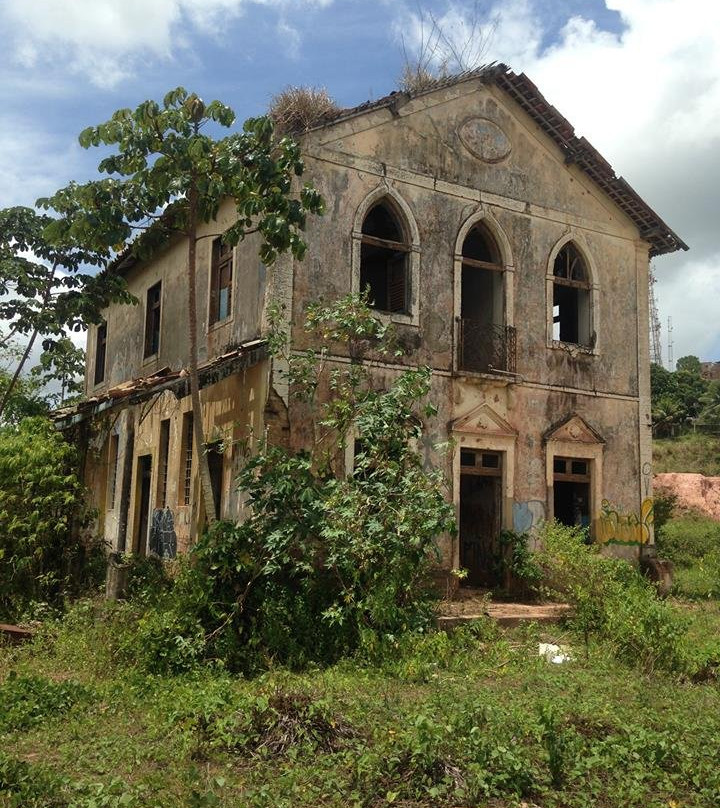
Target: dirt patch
(693,491)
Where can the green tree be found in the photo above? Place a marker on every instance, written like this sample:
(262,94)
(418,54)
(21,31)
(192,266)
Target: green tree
(326,561)
(63,363)
(170,175)
(46,288)
(710,400)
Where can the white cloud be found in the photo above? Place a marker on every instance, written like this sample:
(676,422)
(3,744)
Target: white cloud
(32,163)
(106,40)
(648,98)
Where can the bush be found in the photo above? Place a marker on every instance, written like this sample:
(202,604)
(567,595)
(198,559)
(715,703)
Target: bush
(41,512)
(325,563)
(611,599)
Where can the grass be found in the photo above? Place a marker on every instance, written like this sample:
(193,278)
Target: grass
(692,453)
(477,718)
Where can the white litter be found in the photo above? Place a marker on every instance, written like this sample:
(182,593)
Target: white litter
(557,654)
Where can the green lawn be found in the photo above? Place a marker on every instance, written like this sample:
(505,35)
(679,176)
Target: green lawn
(476,719)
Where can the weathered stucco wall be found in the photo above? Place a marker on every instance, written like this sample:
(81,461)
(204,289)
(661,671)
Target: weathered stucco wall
(432,156)
(232,414)
(126,324)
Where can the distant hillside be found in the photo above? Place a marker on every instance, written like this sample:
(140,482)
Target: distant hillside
(689,454)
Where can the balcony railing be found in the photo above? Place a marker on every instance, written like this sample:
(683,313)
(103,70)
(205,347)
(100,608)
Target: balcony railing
(485,348)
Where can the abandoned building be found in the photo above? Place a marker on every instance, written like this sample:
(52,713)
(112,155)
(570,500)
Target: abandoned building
(514,263)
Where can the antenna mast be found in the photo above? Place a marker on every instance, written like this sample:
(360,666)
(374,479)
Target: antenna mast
(655,337)
(671,361)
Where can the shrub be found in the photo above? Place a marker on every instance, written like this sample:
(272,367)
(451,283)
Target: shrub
(326,562)
(40,516)
(611,599)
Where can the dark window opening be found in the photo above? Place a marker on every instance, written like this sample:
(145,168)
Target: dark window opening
(384,264)
(476,461)
(485,343)
(221,275)
(215,466)
(571,298)
(113,466)
(186,459)
(571,487)
(163,463)
(152,320)
(100,352)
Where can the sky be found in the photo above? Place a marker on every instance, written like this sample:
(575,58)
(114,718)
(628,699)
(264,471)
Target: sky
(640,79)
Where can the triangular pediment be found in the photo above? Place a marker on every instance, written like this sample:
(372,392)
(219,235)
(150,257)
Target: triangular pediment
(483,420)
(573,429)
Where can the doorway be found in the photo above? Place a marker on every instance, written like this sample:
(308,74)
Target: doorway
(571,491)
(480,516)
(144,477)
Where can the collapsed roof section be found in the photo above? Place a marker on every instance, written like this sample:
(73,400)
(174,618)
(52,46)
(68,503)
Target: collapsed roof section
(139,390)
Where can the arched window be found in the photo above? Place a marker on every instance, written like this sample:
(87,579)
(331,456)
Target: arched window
(484,338)
(384,252)
(571,298)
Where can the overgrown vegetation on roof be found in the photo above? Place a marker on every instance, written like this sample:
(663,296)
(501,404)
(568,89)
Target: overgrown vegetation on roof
(298,109)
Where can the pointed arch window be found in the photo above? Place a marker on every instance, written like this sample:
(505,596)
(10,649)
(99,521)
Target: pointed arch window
(571,298)
(485,343)
(384,259)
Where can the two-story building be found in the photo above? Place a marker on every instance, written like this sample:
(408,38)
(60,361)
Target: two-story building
(513,262)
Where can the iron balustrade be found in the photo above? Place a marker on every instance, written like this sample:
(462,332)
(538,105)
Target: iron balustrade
(484,347)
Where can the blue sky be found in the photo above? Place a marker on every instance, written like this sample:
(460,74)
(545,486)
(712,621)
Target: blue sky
(639,78)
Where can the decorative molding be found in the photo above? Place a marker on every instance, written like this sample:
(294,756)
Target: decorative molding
(483,420)
(484,140)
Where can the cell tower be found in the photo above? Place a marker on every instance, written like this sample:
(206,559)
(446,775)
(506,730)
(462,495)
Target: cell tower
(671,361)
(655,338)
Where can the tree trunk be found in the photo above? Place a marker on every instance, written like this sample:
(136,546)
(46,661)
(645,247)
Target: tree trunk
(28,347)
(198,430)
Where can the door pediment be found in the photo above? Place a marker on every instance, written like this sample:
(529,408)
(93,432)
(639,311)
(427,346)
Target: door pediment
(483,420)
(573,429)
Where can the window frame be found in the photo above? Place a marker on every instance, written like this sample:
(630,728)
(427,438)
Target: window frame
(99,369)
(406,222)
(586,287)
(153,322)
(222,256)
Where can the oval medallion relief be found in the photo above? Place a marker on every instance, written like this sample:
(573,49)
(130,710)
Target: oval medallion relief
(485,140)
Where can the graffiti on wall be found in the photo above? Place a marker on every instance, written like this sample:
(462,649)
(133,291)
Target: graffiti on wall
(527,515)
(616,527)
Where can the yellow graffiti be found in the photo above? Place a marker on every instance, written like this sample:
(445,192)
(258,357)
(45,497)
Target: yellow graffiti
(625,528)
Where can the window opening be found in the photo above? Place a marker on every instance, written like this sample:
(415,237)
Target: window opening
(100,352)
(384,253)
(152,320)
(113,464)
(221,274)
(571,297)
(571,487)
(216,461)
(163,463)
(485,343)
(187,457)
